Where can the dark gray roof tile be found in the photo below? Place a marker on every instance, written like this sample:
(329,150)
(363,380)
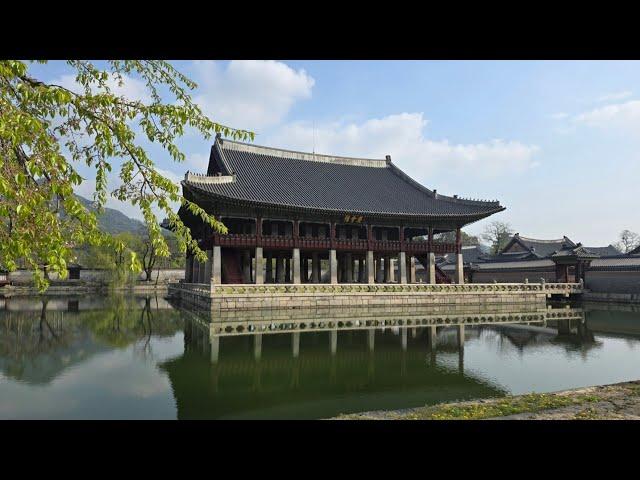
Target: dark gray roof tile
(293,179)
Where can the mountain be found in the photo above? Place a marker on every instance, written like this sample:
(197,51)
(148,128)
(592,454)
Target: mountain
(114,221)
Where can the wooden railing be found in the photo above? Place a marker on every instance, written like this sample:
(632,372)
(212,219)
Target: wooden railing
(238,240)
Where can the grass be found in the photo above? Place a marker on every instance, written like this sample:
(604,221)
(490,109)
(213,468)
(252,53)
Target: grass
(533,402)
(510,405)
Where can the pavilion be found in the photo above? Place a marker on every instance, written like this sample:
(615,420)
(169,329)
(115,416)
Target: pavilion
(297,217)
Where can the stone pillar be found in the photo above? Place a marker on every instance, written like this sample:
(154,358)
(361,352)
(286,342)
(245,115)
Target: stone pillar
(259,276)
(304,270)
(287,270)
(387,275)
(333,266)
(370,268)
(207,268)
(392,269)
(296,266)
(279,269)
(315,268)
(354,277)
(459,269)
(402,266)
(269,268)
(412,269)
(348,264)
(216,266)
(379,270)
(459,260)
(246,266)
(431,271)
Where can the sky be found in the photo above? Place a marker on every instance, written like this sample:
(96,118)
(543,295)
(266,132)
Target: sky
(556,142)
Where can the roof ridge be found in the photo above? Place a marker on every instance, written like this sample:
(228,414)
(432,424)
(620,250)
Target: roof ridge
(541,241)
(306,156)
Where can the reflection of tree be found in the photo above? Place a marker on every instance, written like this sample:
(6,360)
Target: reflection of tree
(36,345)
(25,333)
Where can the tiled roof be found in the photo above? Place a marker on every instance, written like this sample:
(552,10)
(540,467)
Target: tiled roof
(541,248)
(622,262)
(607,251)
(268,176)
(577,252)
(517,265)
(635,251)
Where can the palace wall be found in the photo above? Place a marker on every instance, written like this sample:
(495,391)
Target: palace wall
(613,281)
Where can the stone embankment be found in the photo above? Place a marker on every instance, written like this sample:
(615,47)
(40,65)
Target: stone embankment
(605,402)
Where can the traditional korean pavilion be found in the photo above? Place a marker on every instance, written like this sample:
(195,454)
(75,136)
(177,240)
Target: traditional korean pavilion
(297,217)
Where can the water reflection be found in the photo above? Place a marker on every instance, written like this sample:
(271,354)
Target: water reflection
(141,357)
(41,337)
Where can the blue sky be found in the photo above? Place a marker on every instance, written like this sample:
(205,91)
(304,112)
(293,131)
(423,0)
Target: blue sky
(557,142)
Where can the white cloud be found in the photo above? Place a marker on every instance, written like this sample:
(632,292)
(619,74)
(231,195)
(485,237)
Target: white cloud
(614,96)
(131,88)
(402,137)
(618,115)
(197,162)
(249,95)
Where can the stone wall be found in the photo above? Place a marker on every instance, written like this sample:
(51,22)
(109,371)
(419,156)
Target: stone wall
(249,297)
(165,275)
(613,281)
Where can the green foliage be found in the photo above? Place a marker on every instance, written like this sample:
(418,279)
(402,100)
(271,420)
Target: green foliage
(46,130)
(450,237)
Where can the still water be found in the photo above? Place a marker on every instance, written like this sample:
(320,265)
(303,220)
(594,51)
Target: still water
(142,358)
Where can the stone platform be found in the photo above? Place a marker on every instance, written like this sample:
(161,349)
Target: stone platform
(220,298)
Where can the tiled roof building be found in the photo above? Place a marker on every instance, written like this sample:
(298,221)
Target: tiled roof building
(299,209)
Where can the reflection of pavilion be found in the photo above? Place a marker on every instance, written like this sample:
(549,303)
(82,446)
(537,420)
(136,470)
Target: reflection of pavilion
(571,333)
(351,363)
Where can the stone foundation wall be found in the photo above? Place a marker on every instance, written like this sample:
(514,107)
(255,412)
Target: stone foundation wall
(249,297)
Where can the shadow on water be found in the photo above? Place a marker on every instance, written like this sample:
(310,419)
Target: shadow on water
(294,363)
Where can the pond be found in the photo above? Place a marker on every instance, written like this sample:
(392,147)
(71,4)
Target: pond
(97,357)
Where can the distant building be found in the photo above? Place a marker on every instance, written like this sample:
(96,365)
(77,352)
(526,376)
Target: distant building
(603,269)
